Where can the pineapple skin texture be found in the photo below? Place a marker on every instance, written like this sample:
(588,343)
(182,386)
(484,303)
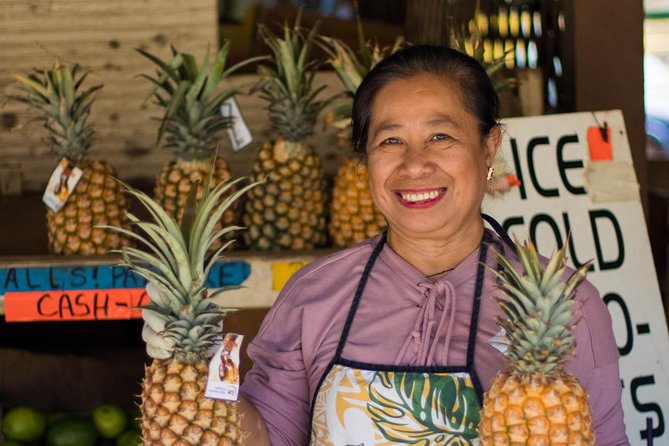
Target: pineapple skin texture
(174,182)
(175,411)
(353,216)
(536,410)
(96,200)
(288,211)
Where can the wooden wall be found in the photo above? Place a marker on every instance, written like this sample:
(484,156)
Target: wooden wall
(102,36)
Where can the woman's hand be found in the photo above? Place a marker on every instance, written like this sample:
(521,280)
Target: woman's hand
(158,346)
(253,425)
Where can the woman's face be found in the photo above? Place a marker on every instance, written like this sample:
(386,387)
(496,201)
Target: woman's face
(427,161)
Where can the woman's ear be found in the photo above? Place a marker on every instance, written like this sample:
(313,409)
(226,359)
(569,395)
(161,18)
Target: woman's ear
(492,143)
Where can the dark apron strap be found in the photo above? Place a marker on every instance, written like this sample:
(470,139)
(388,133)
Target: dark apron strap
(498,229)
(351,315)
(480,276)
(476,306)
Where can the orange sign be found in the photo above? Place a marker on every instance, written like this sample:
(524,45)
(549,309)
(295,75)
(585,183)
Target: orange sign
(74,305)
(599,143)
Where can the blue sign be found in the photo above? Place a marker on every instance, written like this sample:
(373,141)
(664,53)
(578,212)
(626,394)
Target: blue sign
(229,273)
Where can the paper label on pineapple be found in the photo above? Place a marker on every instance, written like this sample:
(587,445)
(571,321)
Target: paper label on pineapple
(223,380)
(61,184)
(239,133)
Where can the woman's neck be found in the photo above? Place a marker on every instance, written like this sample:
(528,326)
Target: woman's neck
(435,257)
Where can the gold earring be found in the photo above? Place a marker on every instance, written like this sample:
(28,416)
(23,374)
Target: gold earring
(491,170)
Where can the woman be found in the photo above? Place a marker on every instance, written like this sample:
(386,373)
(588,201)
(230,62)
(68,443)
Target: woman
(425,120)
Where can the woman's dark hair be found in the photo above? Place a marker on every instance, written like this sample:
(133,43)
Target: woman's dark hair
(477,91)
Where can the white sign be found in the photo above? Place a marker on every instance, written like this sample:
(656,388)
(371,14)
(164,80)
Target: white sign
(550,155)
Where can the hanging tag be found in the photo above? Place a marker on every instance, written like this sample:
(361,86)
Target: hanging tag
(223,380)
(499,341)
(239,133)
(61,184)
(599,143)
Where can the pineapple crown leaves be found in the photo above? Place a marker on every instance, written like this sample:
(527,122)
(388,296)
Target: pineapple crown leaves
(471,43)
(189,95)
(537,310)
(64,106)
(352,66)
(288,86)
(177,263)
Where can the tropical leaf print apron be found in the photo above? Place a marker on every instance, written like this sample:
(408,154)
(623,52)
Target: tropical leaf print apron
(360,404)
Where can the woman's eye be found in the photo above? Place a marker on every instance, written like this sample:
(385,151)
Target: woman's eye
(440,137)
(389,141)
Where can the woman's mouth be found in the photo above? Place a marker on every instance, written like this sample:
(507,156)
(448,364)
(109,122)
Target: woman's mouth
(420,198)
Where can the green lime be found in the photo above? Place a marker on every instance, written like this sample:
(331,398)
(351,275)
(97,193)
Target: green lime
(10,442)
(24,423)
(53,418)
(129,438)
(110,420)
(71,432)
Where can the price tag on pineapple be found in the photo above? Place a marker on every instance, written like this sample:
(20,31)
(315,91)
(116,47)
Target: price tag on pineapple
(239,133)
(223,379)
(61,184)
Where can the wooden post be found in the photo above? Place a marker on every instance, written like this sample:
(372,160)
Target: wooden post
(431,21)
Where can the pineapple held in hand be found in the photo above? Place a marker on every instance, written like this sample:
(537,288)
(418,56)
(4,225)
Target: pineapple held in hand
(535,401)
(353,216)
(191,125)
(288,212)
(64,107)
(176,262)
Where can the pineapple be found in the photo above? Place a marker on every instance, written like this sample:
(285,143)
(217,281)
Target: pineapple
(174,410)
(535,401)
(191,125)
(289,211)
(57,93)
(353,216)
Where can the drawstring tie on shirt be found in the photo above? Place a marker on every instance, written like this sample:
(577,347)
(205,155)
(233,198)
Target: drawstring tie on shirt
(439,296)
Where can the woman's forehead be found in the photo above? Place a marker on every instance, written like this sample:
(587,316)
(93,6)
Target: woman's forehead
(432,99)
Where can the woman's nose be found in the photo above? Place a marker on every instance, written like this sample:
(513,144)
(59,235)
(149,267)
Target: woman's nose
(416,161)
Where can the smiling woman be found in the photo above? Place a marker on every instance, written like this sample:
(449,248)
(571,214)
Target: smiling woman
(428,165)
(355,336)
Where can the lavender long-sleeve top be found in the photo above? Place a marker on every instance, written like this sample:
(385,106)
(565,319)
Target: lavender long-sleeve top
(404,319)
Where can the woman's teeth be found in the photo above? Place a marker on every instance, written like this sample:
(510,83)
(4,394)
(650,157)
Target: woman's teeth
(421,196)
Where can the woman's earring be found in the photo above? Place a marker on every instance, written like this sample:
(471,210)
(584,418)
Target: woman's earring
(491,170)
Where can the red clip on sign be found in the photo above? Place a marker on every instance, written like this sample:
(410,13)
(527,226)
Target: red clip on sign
(599,143)
(74,305)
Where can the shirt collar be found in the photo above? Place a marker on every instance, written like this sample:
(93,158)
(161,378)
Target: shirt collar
(464,271)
